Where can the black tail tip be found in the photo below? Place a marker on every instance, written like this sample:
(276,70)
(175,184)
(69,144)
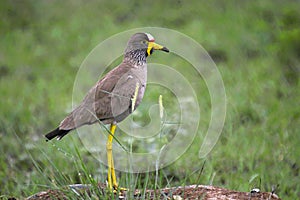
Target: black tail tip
(56,133)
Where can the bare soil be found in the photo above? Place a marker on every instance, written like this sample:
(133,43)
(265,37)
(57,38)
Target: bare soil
(175,193)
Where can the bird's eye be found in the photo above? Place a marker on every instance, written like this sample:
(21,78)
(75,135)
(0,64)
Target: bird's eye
(144,42)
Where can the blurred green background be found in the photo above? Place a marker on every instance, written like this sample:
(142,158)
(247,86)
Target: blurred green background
(255,44)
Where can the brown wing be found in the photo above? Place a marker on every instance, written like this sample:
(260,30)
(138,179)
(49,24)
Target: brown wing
(88,111)
(119,103)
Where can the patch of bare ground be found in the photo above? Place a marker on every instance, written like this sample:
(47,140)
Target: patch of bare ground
(175,193)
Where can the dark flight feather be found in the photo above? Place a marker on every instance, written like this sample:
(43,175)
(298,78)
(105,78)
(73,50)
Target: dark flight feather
(56,133)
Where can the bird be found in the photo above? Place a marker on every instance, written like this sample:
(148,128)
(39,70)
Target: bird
(113,97)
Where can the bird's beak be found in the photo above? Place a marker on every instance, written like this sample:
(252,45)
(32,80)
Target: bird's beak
(153,45)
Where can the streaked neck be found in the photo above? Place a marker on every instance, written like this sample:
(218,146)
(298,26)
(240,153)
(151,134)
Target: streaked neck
(135,57)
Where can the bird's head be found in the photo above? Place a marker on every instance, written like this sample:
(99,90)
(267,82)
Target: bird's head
(145,42)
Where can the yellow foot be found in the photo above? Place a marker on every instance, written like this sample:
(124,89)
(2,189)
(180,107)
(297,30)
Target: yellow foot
(119,189)
(115,188)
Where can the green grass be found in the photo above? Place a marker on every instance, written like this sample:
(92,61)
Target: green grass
(255,43)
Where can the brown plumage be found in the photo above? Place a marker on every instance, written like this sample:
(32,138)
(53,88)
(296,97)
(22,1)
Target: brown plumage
(110,100)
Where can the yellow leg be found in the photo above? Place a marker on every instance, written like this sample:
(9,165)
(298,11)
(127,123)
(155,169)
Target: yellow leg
(112,181)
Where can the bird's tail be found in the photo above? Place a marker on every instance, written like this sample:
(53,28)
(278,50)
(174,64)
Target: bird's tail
(56,133)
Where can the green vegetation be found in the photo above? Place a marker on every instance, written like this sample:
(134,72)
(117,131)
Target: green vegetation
(256,47)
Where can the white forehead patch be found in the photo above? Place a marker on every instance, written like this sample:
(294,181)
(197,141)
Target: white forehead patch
(150,37)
